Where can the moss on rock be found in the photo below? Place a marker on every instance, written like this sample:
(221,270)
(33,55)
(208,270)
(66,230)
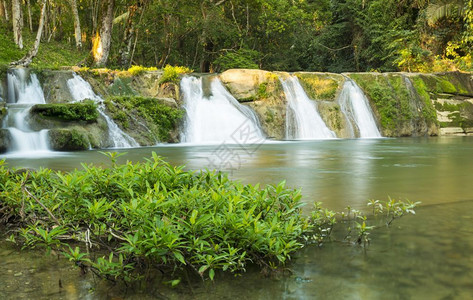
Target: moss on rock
(401,110)
(69,139)
(320,86)
(68,112)
(147,120)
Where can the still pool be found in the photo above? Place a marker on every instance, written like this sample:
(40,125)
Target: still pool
(426,256)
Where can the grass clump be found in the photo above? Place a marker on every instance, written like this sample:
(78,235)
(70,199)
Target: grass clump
(69,112)
(171,73)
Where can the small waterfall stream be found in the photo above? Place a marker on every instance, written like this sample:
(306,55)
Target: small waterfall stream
(24,91)
(216,118)
(81,90)
(303,120)
(356,108)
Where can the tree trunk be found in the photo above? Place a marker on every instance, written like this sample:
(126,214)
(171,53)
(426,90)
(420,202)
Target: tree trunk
(17,19)
(5,6)
(105,32)
(127,37)
(2,11)
(77,32)
(30,22)
(26,60)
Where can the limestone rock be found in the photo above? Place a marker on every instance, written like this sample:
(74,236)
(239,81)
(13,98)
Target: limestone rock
(54,85)
(5,140)
(244,84)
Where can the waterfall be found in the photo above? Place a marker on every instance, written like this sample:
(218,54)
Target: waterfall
(216,118)
(356,108)
(81,90)
(303,120)
(24,91)
(23,88)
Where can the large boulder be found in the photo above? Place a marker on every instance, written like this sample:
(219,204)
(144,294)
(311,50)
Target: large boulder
(55,86)
(262,91)
(399,102)
(5,140)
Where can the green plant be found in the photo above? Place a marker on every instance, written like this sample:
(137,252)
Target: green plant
(171,74)
(81,111)
(137,70)
(240,59)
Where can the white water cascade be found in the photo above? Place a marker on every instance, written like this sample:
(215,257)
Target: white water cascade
(24,91)
(217,118)
(303,120)
(81,90)
(356,108)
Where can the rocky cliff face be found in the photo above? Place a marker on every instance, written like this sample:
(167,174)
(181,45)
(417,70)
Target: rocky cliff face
(404,104)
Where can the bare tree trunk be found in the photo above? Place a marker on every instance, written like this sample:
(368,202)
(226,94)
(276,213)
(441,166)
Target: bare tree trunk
(17,19)
(127,37)
(77,32)
(105,32)
(30,22)
(2,11)
(26,60)
(5,9)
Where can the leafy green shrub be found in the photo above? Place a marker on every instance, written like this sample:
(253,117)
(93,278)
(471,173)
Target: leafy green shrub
(81,111)
(137,70)
(152,214)
(171,74)
(240,59)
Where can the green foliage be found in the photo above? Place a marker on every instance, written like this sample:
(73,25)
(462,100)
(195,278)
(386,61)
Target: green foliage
(152,214)
(137,70)
(163,117)
(240,59)
(171,74)
(81,111)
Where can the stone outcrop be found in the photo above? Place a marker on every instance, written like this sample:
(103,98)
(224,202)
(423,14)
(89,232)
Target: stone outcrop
(54,85)
(404,104)
(262,91)
(5,140)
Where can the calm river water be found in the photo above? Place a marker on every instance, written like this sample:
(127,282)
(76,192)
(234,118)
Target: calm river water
(426,256)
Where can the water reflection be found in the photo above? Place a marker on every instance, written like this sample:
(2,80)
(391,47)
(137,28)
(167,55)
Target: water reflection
(427,256)
(335,172)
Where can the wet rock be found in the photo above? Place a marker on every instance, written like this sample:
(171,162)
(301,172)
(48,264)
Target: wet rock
(54,83)
(5,140)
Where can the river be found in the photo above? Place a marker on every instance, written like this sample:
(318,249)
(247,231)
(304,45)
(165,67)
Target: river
(423,256)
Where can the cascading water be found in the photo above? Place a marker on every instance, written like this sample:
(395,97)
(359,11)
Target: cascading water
(81,90)
(23,92)
(303,120)
(356,108)
(214,119)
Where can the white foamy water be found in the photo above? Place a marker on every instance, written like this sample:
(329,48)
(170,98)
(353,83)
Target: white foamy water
(23,92)
(356,108)
(81,90)
(217,118)
(303,120)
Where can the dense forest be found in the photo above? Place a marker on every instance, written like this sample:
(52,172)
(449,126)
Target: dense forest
(214,35)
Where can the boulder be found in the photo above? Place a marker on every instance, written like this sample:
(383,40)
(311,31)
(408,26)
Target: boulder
(5,140)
